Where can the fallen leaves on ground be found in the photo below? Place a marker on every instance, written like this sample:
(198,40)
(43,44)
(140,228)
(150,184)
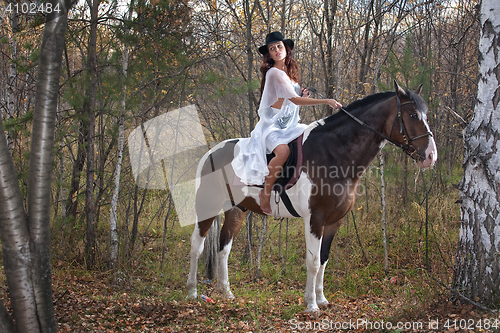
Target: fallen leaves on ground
(90,304)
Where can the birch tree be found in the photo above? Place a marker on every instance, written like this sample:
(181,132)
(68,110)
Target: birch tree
(26,237)
(11,84)
(113,234)
(477,268)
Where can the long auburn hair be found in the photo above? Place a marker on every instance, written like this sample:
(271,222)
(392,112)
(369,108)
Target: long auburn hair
(292,68)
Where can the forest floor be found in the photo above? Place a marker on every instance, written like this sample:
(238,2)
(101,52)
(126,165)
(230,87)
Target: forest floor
(91,303)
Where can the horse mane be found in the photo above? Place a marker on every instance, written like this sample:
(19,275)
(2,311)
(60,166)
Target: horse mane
(368,100)
(359,104)
(365,102)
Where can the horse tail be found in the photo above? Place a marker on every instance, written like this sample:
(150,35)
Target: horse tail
(211,248)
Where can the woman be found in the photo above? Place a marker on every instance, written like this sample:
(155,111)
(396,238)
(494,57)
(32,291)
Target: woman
(279,118)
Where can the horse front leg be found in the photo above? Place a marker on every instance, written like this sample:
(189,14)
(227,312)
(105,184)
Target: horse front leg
(223,279)
(232,225)
(313,232)
(320,296)
(197,242)
(328,233)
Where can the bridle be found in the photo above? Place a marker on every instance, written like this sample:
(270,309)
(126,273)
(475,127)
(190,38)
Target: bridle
(407,147)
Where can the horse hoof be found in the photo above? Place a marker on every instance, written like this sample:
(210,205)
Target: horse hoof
(228,295)
(312,310)
(192,295)
(323,303)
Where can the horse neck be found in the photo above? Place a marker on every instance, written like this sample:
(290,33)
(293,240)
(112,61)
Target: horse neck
(353,144)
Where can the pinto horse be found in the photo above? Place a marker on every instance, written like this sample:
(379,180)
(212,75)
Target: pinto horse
(348,141)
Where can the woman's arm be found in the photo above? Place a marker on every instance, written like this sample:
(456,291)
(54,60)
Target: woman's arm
(304,101)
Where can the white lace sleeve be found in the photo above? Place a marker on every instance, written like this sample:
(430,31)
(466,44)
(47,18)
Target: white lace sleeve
(278,85)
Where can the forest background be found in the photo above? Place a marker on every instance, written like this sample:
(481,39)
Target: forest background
(126,63)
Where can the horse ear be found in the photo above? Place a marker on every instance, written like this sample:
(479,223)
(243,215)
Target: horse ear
(398,89)
(419,89)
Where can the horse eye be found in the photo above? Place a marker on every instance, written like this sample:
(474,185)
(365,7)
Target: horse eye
(414,115)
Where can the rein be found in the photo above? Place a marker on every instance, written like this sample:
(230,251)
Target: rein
(408,148)
(382,135)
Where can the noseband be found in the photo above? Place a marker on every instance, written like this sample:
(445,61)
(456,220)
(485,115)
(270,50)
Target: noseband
(407,147)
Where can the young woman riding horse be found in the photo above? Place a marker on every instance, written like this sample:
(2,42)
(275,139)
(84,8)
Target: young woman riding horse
(347,140)
(279,118)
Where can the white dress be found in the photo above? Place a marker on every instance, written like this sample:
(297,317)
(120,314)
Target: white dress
(276,126)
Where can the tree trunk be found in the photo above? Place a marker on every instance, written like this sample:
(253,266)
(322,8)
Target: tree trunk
(90,243)
(331,80)
(384,223)
(135,222)
(261,245)
(41,159)
(404,195)
(26,241)
(165,227)
(15,245)
(477,268)
(61,195)
(249,13)
(247,255)
(113,233)
(72,199)
(11,84)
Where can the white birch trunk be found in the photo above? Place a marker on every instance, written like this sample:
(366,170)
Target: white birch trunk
(261,245)
(113,232)
(477,266)
(249,238)
(11,84)
(384,224)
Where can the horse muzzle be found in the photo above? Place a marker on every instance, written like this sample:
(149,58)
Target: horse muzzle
(430,155)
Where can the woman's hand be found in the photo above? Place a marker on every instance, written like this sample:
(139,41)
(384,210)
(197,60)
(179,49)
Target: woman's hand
(304,92)
(334,104)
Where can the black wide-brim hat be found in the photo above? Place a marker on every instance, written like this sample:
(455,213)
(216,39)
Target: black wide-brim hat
(274,37)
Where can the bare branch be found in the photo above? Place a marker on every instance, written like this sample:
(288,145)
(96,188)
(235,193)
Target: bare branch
(457,117)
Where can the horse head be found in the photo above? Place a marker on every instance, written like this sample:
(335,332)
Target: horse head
(410,128)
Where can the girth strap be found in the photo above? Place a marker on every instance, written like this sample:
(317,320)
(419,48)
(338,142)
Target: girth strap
(288,203)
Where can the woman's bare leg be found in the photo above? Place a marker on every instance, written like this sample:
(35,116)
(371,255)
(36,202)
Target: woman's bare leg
(281,153)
